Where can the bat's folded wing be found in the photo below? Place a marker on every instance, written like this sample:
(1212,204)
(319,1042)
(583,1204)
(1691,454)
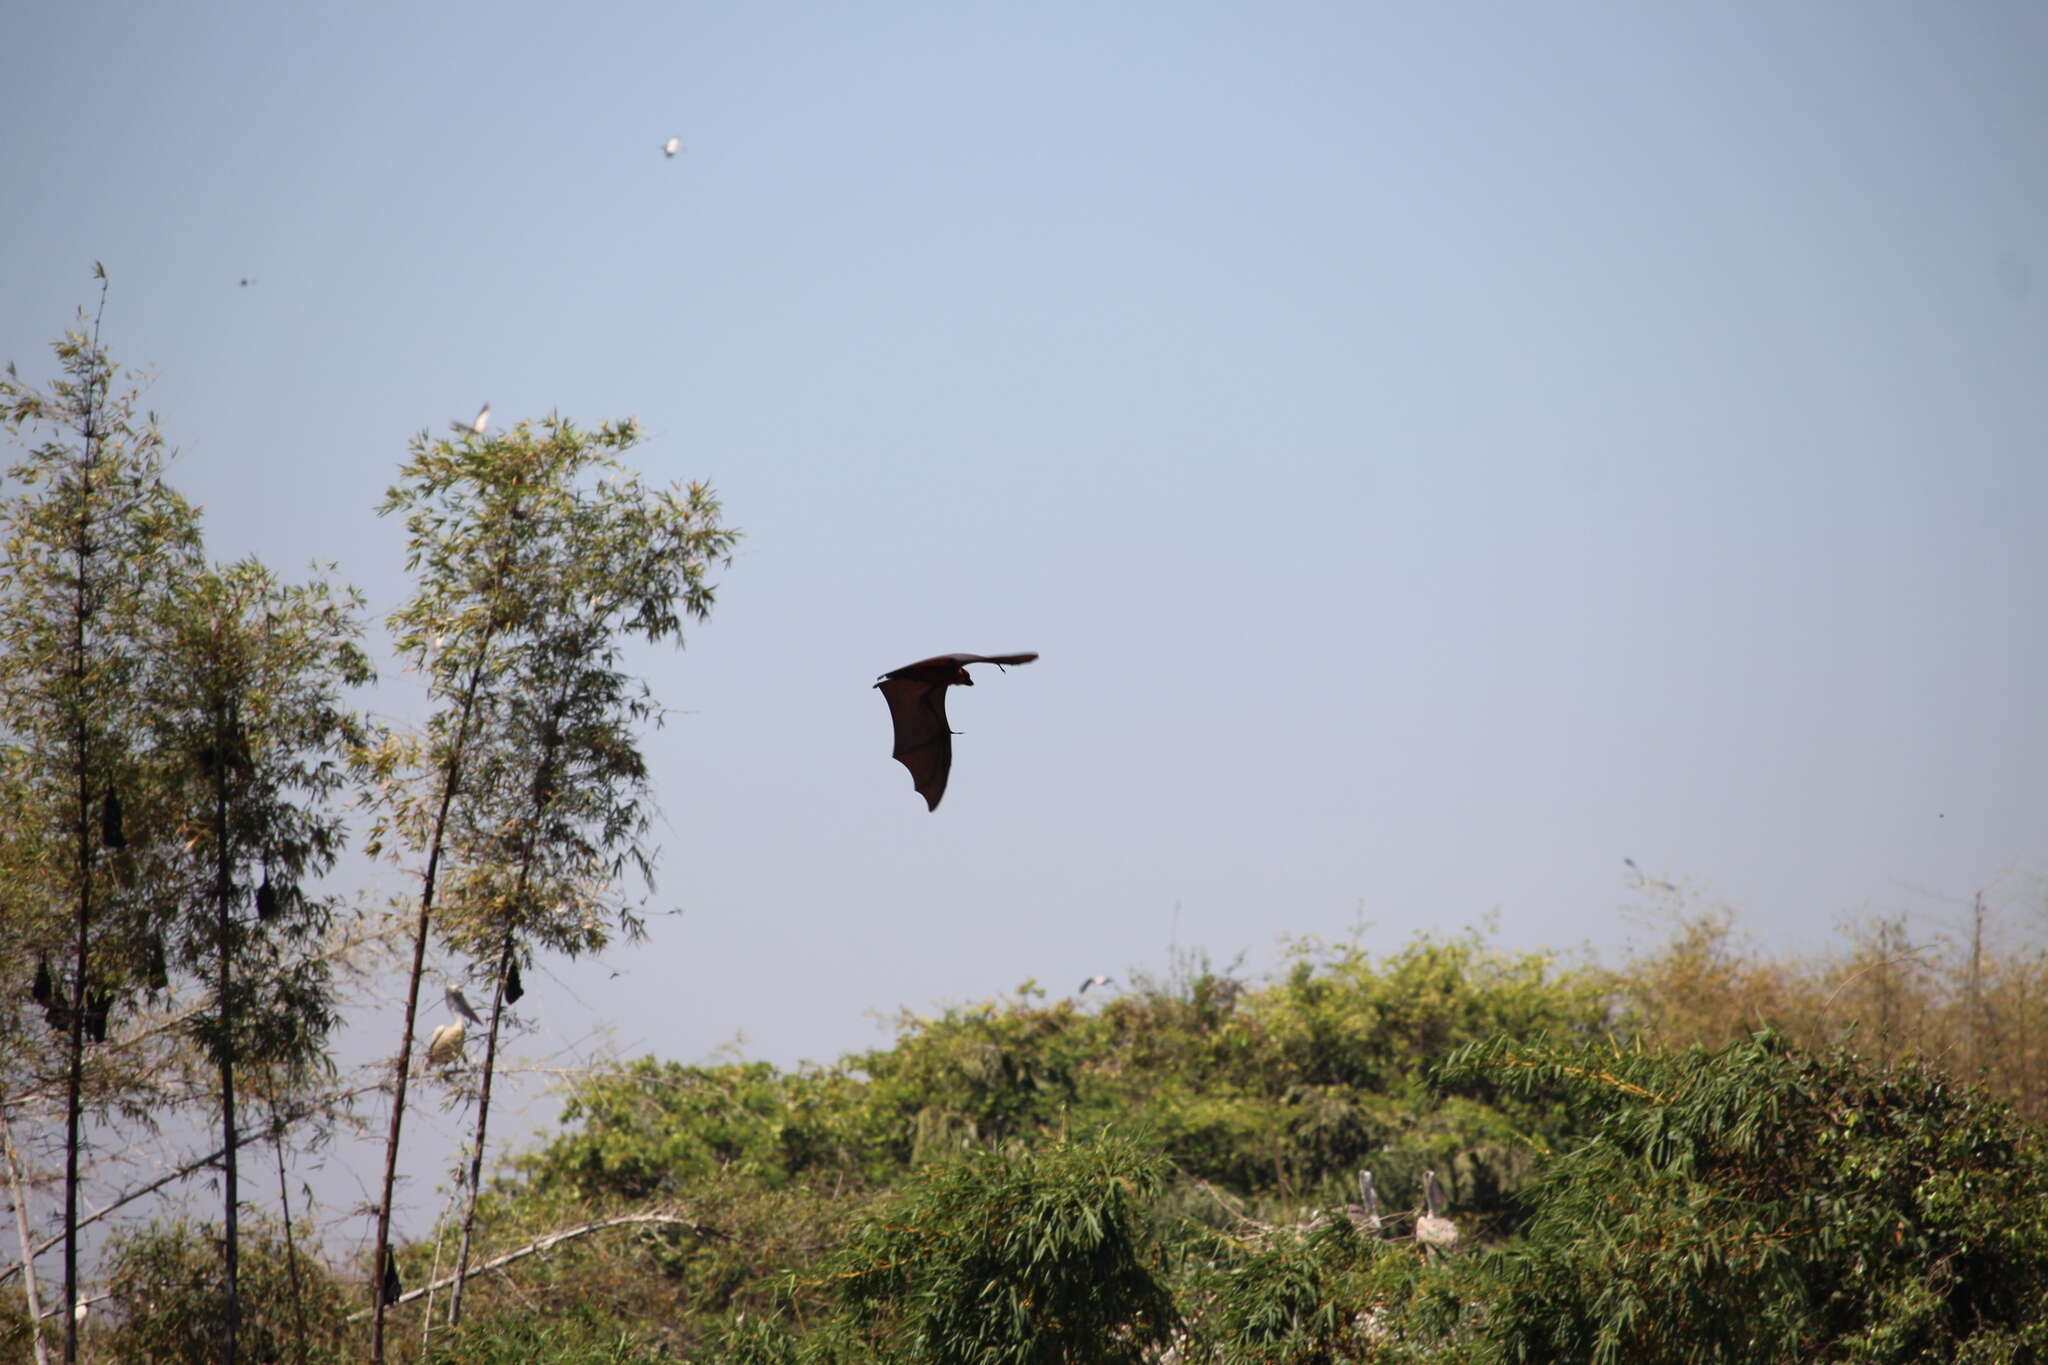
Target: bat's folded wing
(924,742)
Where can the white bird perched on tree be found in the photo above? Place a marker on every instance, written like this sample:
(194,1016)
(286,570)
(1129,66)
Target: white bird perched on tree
(1092,981)
(476,426)
(1432,1229)
(1365,1214)
(459,1002)
(445,1045)
(672,146)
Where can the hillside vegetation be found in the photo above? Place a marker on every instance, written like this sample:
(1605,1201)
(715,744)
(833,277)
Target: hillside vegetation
(1632,1174)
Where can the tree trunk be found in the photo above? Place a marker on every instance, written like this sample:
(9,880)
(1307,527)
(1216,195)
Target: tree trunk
(291,1254)
(399,1067)
(74,1087)
(483,1116)
(380,1257)
(28,1259)
(223,895)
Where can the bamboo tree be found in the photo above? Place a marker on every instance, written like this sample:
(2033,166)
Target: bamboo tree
(509,534)
(560,808)
(92,538)
(248,720)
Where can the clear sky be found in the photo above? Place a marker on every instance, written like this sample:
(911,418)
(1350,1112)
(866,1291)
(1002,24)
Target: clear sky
(1439,450)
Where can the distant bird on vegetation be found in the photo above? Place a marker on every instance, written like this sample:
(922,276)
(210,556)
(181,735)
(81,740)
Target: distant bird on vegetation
(1365,1214)
(445,1045)
(475,427)
(1093,981)
(1432,1229)
(459,1002)
(672,146)
(916,694)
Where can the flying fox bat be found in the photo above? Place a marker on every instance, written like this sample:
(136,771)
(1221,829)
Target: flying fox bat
(916,694)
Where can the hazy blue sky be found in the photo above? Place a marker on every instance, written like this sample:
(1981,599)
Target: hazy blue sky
(1439,450)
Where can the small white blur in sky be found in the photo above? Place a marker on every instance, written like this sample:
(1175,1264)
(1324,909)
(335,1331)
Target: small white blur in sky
(1440,451)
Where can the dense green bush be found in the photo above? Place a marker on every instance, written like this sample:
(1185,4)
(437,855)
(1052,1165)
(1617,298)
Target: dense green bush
(1756,1203)
(1277,1094)
(1325,1292)
(927,1202)
(574,1336)
(1012,1256)
(166,1300)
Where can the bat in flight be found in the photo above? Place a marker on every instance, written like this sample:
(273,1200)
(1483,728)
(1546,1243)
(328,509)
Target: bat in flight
(916,694)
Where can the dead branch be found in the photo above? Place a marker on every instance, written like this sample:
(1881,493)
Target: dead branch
(549,1242)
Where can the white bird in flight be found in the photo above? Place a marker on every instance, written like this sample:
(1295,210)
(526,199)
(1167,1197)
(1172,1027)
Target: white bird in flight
(672,146)
(1092,981)
(476,427)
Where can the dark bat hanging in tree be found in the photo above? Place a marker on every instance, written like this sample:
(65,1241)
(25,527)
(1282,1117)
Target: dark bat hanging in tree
(916,694)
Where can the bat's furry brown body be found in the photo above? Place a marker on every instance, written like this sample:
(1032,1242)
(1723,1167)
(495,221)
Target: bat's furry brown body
(916,694)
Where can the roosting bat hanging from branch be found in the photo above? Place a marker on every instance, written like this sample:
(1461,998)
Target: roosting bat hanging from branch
(916,694)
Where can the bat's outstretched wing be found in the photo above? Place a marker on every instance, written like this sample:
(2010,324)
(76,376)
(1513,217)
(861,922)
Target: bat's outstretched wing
(924,742)
(952,668)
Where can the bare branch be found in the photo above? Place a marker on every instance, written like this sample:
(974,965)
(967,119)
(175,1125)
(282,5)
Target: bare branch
(552,1240)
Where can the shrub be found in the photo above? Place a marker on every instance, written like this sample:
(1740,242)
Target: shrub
(1756,1203)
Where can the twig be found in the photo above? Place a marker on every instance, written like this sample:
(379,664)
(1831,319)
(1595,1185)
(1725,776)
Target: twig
(1906,956)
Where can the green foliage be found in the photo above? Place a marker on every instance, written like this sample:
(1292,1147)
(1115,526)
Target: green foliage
(1015,1255)
(1281,1093)
(1777,1200)
(93,540)
(653,1129)
(539,554)
(574,1336)
(1756,1203)
(165,1282)
(1322,1293)
(17,1336)
(248,725)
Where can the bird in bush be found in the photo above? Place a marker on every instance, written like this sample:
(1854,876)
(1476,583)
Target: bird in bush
(1365,1214)
(1432,1229)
